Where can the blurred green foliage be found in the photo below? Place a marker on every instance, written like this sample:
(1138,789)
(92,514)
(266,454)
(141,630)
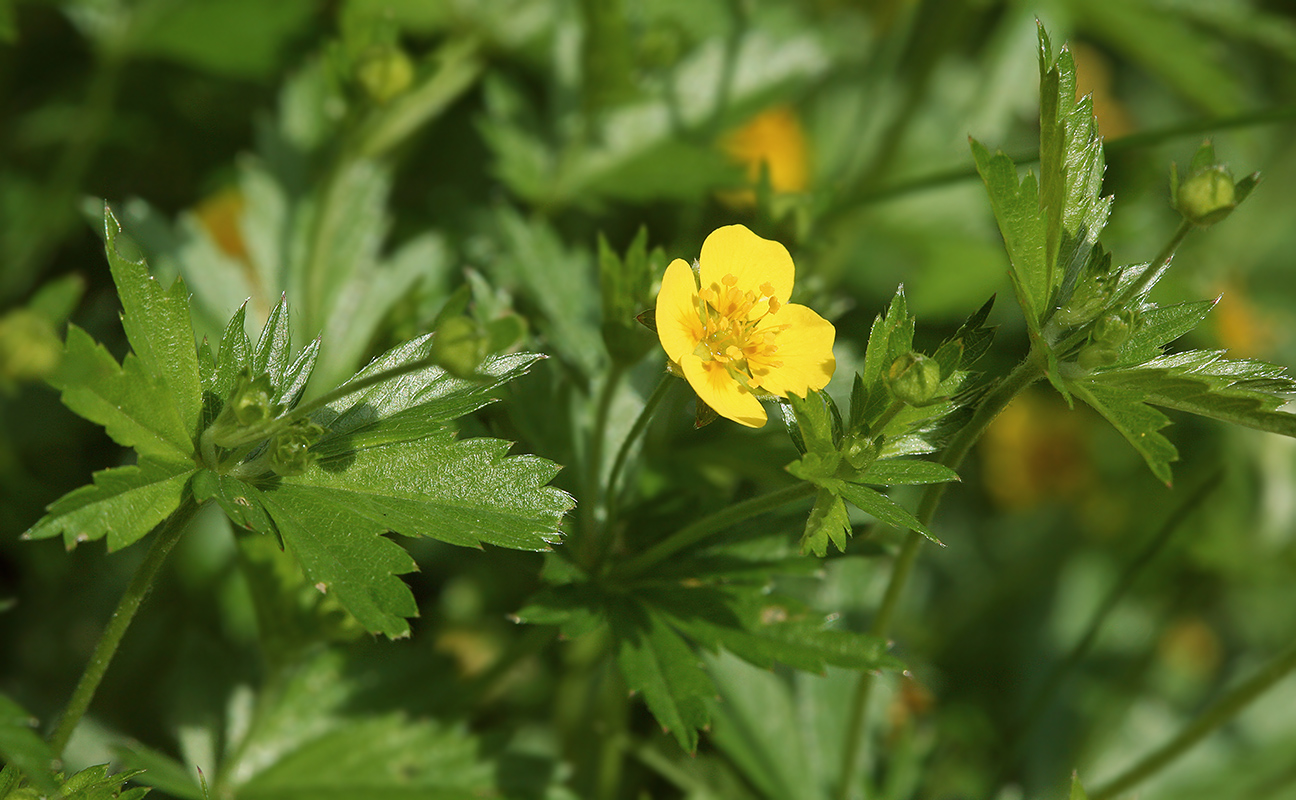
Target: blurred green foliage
(396,166)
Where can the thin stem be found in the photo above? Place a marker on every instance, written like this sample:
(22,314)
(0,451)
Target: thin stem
(164,538)
(1221,712)
(594,498)
(1042,696)
(1027,372)
(1123,144)
(636,430)
(714,523)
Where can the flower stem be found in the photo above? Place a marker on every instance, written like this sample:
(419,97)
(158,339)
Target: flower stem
(164,538)
(1027,372)
(623,453)
(1221,712)
(713,523)
(595,498)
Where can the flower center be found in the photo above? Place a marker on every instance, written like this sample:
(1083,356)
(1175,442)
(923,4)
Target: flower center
(732,332)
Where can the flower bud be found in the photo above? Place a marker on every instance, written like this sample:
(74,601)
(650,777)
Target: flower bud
(384,73)
(1206,197)
(1094,356)
(1112,330)
(914,378)
(290,448)
(29,347)
(251,401)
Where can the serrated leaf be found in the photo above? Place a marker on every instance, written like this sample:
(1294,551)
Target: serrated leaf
(883,507)
(1204,382)
(828,522)
(96,783)
(1022,224)
(1136,421)
(234,355)
(21,747)
(576,608)
(462,492)
(160,771)
(298,374)
(904,472)
(1160,325)
(659,664)
(159,329)
(270,356)
(764,629)
(129,402)
(123,504)
(344,553)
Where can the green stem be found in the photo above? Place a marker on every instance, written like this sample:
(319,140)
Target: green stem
(1221,712)
(1046,692)
(623,453)
(1123,144)
(1027,372)
(164,538)
(714,523)
(594,498)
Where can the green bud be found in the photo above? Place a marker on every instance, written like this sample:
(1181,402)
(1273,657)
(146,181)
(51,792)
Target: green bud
(384,72)
(29,348)
(289,450)
(252,400)
(1206,197)
(859,452)
(1095,355)
(914,378)
(459,346)
(1112,330)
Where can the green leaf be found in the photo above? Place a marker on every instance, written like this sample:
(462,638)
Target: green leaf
(132,405)
(95,783)
(160,771)
(1204,382)
(21,747)
(1160,325)
(904,472)
(661,666)
(884,508)
(765,629)
(123,504)
(1136,421)
(1023,226)
(344,553)
(828,522)
(1077,791)
(235,353)
(270,356)
(159,330)
(576,608)
(235,499)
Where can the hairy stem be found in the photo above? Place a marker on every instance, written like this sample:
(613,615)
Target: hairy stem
(1027,372)
(623,453)
(594,496)
(164,538)
(712,524)
(1225,709)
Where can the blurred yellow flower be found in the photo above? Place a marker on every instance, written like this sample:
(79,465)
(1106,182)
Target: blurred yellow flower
(772,139)
(221,214)
(729,329)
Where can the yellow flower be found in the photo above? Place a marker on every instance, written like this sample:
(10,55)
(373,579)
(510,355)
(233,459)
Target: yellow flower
(732,333)
(773,140)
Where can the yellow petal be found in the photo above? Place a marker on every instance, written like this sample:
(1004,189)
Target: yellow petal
(734,250)
(719,390)
(803,356)
(678,326)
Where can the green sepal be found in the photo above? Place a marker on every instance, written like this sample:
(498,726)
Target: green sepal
(123,504)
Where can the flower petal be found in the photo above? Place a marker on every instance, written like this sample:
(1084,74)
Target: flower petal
(678,326)
(804,358)
(734,250)
(717,388)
